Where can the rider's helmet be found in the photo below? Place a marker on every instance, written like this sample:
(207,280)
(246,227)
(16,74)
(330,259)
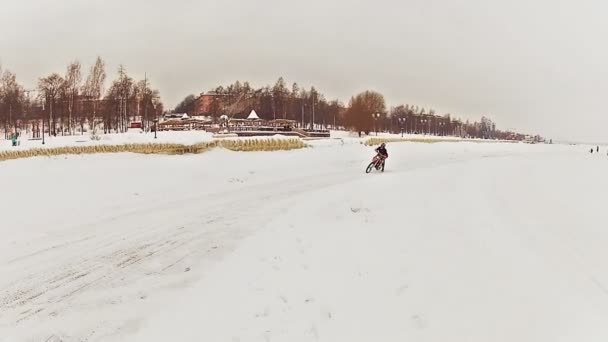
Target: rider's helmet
(382,145)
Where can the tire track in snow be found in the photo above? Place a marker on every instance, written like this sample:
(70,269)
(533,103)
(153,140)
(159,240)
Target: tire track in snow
(114,258)
(98,260)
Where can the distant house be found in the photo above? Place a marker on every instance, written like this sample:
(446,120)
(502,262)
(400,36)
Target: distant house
(183,125)
(203,105)
(170,116)
(238,106)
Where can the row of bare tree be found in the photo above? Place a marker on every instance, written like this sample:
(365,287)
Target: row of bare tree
(67,105)
(367,111)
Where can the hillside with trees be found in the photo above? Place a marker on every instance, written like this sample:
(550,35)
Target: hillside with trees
(365,112)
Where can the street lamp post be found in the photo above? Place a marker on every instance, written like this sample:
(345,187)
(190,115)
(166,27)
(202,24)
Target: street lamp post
(376,116)
(42,129)
(401,122)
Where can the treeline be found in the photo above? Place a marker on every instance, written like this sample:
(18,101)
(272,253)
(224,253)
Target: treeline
(365,112)
(270,102)
(72,102)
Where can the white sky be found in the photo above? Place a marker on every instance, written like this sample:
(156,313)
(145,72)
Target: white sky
(538,66)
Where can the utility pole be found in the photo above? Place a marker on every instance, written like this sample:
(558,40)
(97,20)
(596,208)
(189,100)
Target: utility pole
(50,115)
(26,110)
(43,123)
(302,115)
(145,102)
(313,110)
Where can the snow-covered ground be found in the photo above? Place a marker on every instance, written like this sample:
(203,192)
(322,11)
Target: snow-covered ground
(185,137)
(131,137)
(137,137)
(454,242)
(348,134)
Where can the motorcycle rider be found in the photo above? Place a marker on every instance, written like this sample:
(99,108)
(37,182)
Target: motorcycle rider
(381,150)
(378,161)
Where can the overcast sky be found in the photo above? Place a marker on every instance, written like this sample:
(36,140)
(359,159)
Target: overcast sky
(538,66)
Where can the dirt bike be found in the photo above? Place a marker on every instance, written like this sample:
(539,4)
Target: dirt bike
(377,163)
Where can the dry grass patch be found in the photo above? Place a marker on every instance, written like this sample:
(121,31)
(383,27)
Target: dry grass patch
(262,145)
(378,141)
(162,148)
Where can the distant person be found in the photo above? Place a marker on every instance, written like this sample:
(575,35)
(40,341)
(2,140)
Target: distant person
(14,139)
(598,149)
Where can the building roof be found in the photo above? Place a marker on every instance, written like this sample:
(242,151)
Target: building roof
(253,115)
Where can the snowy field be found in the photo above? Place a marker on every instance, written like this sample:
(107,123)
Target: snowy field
(454,242)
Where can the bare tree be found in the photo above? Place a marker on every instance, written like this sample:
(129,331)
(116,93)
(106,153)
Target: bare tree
(147,100)
(121,97)
(49,88)
(93,89)
(186,105)
(73,78)
(361,109)
(12,100)
(279,95)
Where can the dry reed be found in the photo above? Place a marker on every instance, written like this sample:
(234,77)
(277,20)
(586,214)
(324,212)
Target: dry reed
(158,148)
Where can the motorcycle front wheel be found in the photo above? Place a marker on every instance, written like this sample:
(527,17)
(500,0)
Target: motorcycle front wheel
(370,167)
